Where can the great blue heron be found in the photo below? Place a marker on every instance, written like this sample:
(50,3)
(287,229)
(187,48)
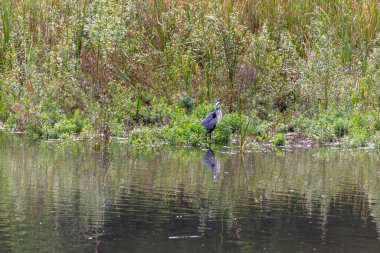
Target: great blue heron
(210,122)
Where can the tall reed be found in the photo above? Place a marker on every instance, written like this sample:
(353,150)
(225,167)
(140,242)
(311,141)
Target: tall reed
(356,20)
(6,8)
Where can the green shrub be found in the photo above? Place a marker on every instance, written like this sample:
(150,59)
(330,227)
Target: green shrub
(320,127)
(65,127)
(279,139)
(34,131)
(222,133)
(376,123)
(117,129)
(262,131)
(146,136)
(185,130)
(359,137)
(377,142)
(78,121)
(187,102)
(11,122)
(341,128)
(234,121)
(50,132)
(283,128)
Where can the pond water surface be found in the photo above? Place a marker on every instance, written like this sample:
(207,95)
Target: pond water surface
(72,197)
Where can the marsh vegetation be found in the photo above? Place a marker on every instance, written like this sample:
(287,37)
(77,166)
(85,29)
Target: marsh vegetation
(149,71)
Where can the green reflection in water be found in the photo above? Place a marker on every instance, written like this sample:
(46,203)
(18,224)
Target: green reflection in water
(66,197)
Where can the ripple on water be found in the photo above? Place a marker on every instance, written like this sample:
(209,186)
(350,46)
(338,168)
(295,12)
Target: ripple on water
(73,198)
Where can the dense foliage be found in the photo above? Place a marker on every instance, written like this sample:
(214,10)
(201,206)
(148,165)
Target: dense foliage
(151,70)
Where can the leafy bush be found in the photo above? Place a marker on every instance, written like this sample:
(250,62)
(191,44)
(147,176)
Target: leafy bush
(145,136)
(357,138)
(186,135)
(279,139)
(35,131)
(262,131)
(185,130)
(234,121)
(341,128)
(222,133)
(187,102)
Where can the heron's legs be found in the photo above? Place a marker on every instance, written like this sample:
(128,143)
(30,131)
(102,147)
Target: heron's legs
(207,139)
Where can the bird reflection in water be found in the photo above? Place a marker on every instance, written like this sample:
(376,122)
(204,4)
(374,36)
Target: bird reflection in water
(211,162)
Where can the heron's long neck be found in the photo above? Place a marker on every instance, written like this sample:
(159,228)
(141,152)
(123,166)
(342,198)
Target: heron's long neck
(218,113)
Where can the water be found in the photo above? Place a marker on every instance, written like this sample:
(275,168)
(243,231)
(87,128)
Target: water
(71,197)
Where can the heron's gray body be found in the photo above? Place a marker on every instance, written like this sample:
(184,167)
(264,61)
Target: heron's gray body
(210,122)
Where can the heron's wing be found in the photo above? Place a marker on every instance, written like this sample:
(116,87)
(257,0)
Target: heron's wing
(208,119)
(209,123)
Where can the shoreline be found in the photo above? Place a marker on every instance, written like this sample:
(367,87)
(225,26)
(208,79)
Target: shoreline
(293,140)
